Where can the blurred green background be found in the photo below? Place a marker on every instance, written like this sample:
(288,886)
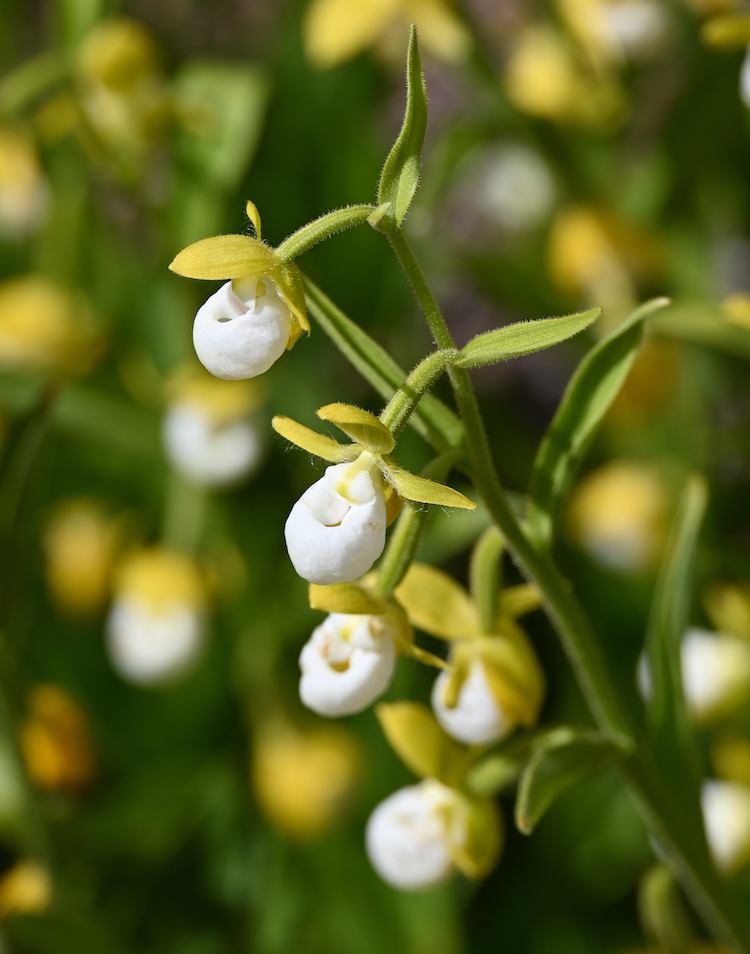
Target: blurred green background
(563,167)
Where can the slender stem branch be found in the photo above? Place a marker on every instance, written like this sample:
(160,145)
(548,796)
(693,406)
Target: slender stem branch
(405,401)
(322,228)
(658,806)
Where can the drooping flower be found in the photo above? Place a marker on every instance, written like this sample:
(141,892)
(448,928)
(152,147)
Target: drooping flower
(347,664)
(336,530)
(55,741)
(209,433)
(156,623)
(494,683)
(726,815)
(304,778)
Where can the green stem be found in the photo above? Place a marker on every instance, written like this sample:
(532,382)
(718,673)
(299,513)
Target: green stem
(660,810)
(405,401)
(321,229)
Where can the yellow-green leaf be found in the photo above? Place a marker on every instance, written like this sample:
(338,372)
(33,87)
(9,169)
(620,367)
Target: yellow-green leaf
(346,598)
(360,425)
(224,257)
(436,604)
(420,743)
(319,444)
(422,490)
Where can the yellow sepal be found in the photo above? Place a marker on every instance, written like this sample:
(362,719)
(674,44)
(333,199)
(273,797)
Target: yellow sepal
(437,604)
(224,257)
(251,211)
(730,31)
(727,606)
(318,444)
(420,743)
(360,425)
(421,490)
(513,674)
(518,600)
(291,288)
(393,504)
(481,824)
(346,598)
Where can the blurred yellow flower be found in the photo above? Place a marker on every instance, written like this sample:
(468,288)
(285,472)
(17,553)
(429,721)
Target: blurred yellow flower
(80,545)
(44,327)
(25,889)
(544,77)
(737,309)
(617,513)
(23,188)
(727,605)
(303,779)
(730,755)
(336,30)
(610,30)
(54,739)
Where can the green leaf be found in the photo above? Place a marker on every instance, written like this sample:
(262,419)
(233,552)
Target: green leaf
(589,395)
(359,425)
(705,324)
(667,622)
(400,176)
(422,490)
(523,337)
(433,420)
(560,760)
(322,228)
(663,915)
(309,440)
(420,743)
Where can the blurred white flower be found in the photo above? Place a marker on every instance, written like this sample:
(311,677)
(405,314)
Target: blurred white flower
(409,839)
(242,329)
(346,664)
(637,28)
(726,815)
(745,80)
(209,452)
(336,530)
(476,718)
(155,626)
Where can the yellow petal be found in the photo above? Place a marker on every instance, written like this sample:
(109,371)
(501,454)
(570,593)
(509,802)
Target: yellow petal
(251,211)
(421,490)
(518,600)
(291,288)
(346,598)
(513,674)
(478,851)
(437,604)
(224,257)
(362,426)
(336,30)
(420,743)
(319,444)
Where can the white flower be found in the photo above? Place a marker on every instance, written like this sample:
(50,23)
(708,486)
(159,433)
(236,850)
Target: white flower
(346,664)
(745,79)
(476,718)
(149,645)
(409,836)
(210,452)
(638,27)
(726,815)
(336,530)
(242,329)
(715,673)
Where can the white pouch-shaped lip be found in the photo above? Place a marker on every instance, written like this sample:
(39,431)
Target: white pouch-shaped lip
(336,538)
(726,815)
(346,664)
(476,719)
(242,329)
(408,837)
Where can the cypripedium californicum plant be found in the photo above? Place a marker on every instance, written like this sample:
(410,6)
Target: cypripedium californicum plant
(210,432)
(55,741)
(304,777)
(156,623)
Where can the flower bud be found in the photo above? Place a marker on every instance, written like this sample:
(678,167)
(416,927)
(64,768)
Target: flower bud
(242,329)
(726,815)
(54,741)
(208,433)
(408,839)
(475,718)
(336,530)
(346,664)
(155,626)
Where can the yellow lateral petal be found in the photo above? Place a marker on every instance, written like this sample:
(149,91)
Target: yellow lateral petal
(335,30)
(362,426)
(518,600)
(421,490)
(251,210)
(437,604)
(319,444)
(420,743)
(513,673)
(345,598)
(224,257)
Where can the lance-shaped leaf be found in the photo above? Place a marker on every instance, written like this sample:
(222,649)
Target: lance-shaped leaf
(422,490)
(362,426)
(346,598)
(662,911)
(589,395)
(668,619)
(400,176)
(420,743)
(560,760)
(318,444)
(436,604)
(523,337)
(705,324)
(223,257)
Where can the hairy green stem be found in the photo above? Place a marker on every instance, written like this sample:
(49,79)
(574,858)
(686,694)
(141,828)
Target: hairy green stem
(406,400)
(658,806)
(322,228)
